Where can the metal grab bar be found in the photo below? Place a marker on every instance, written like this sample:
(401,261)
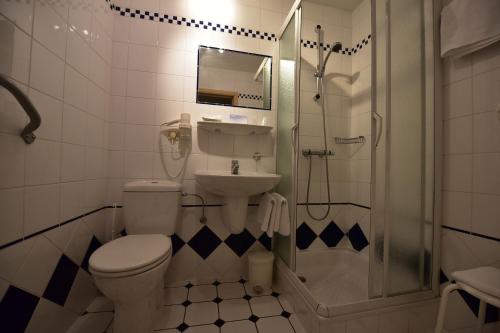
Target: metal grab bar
(35,120)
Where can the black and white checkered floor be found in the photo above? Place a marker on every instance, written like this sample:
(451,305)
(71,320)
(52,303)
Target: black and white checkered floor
(209,308)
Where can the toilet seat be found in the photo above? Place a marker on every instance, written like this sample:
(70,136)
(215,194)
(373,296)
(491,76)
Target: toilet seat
(130,255)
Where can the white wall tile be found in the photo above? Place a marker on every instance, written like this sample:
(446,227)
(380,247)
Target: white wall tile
(141,84)
(458,135)
(172,36)
(12,154)
(75,89)
(138,165)
(457,98)
(485,91)
(72,195)
(171,61)
(140,111)
(50,110)
(170,87)
(72,162)
(142,58)
(74,125)
(47,71)
(457,209)
(118,82)
(486,214)
(11,214)
(20,13)
(41,207)
(78,53)
(144,32)
(486,132)
(121,28)
(120,55)
(50,29)
(486,177)
(80,18)
(43,160)
(139,137)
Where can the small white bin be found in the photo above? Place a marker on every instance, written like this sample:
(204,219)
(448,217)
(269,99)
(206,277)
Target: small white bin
(260,270)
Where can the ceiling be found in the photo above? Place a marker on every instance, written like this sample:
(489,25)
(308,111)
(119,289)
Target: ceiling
(230,60)
(341,4)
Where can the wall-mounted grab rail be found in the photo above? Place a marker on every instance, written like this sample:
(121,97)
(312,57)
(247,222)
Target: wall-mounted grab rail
(35,120)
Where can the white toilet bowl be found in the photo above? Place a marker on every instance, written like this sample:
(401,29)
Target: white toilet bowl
(129,271)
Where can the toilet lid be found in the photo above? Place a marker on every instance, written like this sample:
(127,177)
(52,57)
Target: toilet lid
(130,253)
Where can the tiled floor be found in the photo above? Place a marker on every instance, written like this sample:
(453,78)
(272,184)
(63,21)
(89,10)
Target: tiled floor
(230,307)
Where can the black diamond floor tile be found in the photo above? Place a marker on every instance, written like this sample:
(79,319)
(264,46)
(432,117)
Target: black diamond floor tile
(182,327)
(219,322)
(305,236)
(253,318)
(266,241)
(332,234)
(16,309)
(204,242)
(61,281)
(177,243)
(247,297)
(186,303)
(94,245)
(189,285)
(216,283)
(357,237)
(242,281)
(240,243)
(217,300)
(275,294)
(286,314)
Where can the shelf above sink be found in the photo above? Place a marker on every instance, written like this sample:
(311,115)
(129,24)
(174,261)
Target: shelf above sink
(233,128)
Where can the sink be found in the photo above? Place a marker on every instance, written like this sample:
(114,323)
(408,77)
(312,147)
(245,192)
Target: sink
(236,189)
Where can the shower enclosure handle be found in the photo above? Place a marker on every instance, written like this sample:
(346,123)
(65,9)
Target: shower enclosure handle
(293,134)
(377,116)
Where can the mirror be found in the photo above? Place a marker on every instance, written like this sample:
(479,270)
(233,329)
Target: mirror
(233,78)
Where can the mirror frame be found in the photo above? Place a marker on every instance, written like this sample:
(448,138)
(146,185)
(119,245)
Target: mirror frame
(234,106)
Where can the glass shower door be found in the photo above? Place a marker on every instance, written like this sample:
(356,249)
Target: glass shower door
(287,119)
(403,193)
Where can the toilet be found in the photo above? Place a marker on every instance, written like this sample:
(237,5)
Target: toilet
(130,270)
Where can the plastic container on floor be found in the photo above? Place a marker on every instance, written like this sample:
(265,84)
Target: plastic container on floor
(260,269)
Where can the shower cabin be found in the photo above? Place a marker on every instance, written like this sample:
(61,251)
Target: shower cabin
(356,146)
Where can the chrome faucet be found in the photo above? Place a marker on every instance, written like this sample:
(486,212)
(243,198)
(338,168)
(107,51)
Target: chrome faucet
(235,167)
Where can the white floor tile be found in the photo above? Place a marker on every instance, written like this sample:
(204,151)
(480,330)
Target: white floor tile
(251,292)
(201,313)
(231,290)
(265,306)
(244,326)
(202,293)
(175,295)
(168,317)
(203,329)
(287,306)
(274,324)
(234,309)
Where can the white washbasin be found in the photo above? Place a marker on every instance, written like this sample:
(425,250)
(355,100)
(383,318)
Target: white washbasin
(236,189)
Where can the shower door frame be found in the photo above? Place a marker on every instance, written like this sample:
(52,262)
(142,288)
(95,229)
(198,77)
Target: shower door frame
(296,12)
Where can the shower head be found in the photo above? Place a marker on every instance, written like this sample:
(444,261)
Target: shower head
(335,48)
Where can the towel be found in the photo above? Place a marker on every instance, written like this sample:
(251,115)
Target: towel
(265,212)
(282,223)
(467,26)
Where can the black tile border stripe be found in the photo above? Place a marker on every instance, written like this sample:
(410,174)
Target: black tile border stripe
(471,233)
(332,204)
(14,242)
(220,27)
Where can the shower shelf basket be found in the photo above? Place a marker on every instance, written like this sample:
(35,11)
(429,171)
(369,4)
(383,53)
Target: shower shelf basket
(344,141)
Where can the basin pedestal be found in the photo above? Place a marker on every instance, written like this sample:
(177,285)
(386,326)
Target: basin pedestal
(234,213)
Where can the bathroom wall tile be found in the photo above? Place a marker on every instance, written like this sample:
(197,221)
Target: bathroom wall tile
(50,29)
(80,18)
(139,138)
(485,86)
(141,84)
(172,36)
(99,71)
(486,178)
(116,136)
(16,45)
(138,165)
(72,162)
(72,196)
(75,89)
(74,125)
(485,213)
(144,32)
(458,135)
(118,82)
(485,60)
(171,61)
(41,207)
(190,89)
(21,14)
(168,110)
(457,209)
(12,153)
(142,58)
(79,242)
(457,98)
(486,132)
(120,55)
(457,69)
(35,272)
(170,87)
(140,111)
(457,173)
(47,71)
(43,162)
(11,214)
(117,109)
(50,110)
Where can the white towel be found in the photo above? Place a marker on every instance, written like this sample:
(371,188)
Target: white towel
(282,216)
(469,25)
(265,212)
